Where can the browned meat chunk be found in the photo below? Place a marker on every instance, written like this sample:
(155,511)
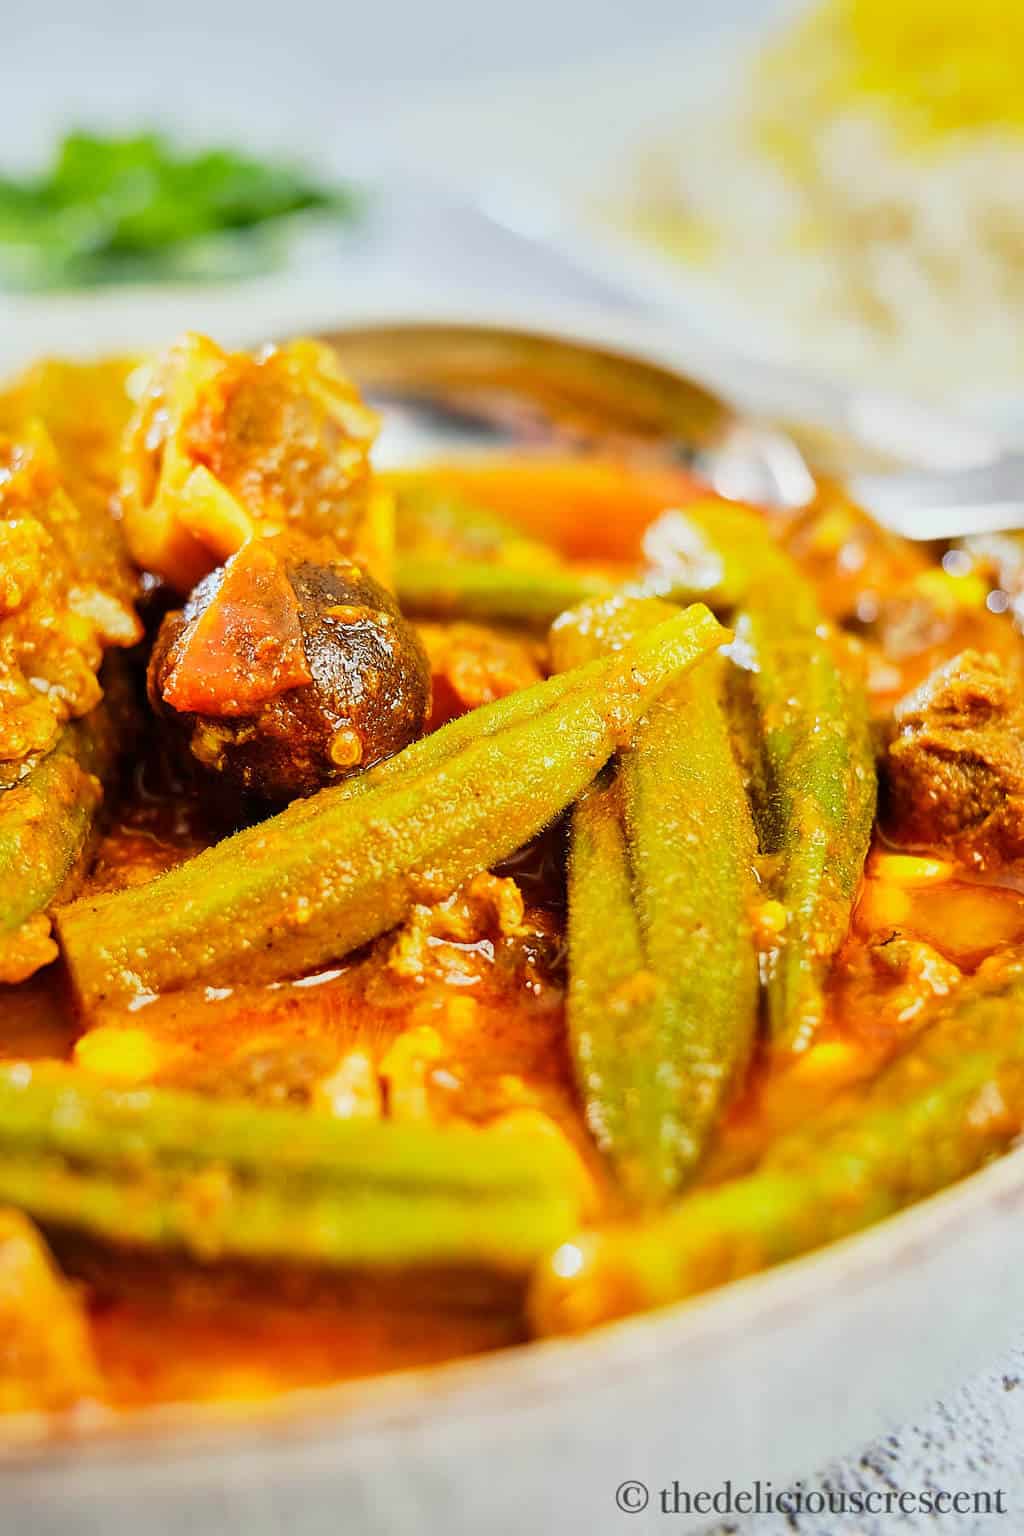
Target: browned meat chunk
(474,665)
(226,443)
(954,769)
(65,597)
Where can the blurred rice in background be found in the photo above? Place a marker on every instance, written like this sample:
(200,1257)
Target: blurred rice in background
(862,182)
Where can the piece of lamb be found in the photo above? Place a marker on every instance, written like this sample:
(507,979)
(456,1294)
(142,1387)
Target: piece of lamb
(953,771)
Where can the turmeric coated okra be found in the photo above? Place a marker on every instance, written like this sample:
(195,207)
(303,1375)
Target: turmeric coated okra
(487,1022)
(470,589)
(329,873)
(663,981)
(159,1169)
(817,809)
(952,1100)
(46,824)
(459,560)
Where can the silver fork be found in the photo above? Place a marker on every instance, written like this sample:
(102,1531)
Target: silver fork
(761,462)
(985,498)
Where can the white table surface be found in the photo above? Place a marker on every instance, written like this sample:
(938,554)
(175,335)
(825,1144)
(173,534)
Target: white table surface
(348,68)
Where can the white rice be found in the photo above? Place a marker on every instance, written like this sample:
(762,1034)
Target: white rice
(871,259)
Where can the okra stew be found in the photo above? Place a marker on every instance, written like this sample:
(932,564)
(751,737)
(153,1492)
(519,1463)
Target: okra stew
(446,906)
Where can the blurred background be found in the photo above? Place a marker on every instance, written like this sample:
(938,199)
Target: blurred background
(834,187)
(345,67)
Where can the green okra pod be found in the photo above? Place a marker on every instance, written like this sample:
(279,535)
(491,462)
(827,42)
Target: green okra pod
(818,781)
(663,979)
(459,560)
(616,1010)
(694,848)
(331,872)
(476,589)
(953,1099)
(820,793)
(159,1169)
(46,827)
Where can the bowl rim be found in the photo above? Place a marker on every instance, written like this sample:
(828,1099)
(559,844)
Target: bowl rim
(507,1381)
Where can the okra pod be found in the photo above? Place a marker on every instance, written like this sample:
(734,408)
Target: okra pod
(332,872)
(46,825)
(157,1169)
(951,1101)
(818,804)
(459,560)
(821,792)
(434,521)
(694,847)
(476,589)
(663,982)
(616,1006)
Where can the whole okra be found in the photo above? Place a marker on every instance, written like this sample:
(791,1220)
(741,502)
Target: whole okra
(815,772)
(817,802)
(456,559)
(952,1100)
(46,826)
(663,979)
(158,1169)
(475,589)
